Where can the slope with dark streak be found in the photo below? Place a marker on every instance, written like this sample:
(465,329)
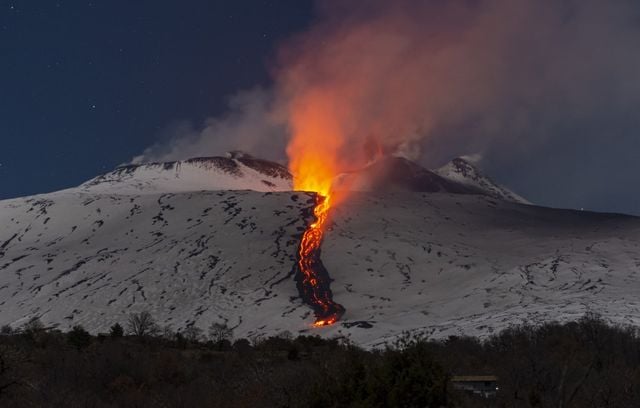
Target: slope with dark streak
(312,277)
(188,258)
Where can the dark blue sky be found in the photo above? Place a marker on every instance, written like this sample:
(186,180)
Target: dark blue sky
(88,85)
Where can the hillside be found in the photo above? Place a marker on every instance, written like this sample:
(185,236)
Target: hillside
(437,263)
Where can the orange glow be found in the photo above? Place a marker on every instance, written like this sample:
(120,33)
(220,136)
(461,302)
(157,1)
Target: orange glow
(317,139)
(314,151)
(325,322)
(327,311)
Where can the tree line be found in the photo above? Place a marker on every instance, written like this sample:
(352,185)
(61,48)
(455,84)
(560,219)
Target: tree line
(587,363)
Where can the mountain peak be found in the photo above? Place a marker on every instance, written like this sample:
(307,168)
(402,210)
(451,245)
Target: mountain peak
(236,171)
(463,171)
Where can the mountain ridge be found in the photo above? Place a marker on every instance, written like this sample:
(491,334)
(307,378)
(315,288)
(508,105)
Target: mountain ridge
(241,171)
(236,171)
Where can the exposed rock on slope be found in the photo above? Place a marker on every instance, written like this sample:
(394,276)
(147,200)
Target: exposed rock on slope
(238,171)
(460,170)
(399,174)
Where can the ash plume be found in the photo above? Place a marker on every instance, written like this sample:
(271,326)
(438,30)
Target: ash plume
(434,79)
(430,80)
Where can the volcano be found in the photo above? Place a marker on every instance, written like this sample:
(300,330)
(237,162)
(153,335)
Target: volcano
(207,240)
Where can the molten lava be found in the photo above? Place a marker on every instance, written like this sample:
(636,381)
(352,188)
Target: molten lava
(315,280)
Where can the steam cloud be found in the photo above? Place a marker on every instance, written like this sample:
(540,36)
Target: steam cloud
(436,79)
(249,125)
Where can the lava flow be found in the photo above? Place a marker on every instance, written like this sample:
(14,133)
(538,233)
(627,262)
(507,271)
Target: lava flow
(314,282)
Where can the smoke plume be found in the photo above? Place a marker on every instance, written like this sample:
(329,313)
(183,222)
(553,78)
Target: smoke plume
(435,79)
(249,125)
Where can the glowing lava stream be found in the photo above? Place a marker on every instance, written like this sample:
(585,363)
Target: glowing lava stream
(315,279)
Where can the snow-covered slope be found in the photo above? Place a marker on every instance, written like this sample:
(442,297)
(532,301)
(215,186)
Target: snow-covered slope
(237,171)
(190,257)
(430,262)
(443,264)
(461,170)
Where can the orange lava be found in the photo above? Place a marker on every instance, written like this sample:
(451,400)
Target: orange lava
(325,322)
(308,261)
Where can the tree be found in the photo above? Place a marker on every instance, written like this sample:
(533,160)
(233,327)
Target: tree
(285,335)
(180,340)
(168,333)
(6,330)
(192,333)
(410,378)
(142,324)
(116,330)
(78,337)
(218,332)
(33,325)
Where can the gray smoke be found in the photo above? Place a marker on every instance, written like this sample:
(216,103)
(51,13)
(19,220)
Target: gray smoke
(547,91)
(250,124)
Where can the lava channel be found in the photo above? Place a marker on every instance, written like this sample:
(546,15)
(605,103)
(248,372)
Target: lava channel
(313,278)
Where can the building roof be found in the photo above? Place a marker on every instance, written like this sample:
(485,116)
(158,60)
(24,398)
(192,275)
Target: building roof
(473,378)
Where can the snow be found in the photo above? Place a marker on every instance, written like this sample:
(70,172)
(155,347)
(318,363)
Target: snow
(74,258)
(462,170)
(440,265)
(432,263)
(237,172)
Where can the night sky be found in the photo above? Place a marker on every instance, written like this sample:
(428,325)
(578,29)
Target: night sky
(88,85)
